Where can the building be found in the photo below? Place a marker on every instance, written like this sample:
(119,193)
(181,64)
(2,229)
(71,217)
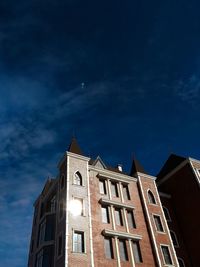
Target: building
(94,215)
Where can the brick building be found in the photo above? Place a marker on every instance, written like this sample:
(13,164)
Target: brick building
(94,215)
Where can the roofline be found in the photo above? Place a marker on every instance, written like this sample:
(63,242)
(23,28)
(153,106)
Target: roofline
(67,153)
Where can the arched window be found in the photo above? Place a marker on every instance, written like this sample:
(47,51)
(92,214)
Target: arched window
(181,262)
(151,197)
(166,212)
(78,179)
(174,238)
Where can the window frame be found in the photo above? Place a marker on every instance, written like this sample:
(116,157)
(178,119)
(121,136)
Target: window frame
(77,173)
(42,234)
(105,211)
(102,185)
(133,223)
(182,261)
(83,243)
(114,188)
(174,239)
(151,197)
(126,192)
(161,223)
(39,255)
(170,255)
(110,245)
(137,242)
(62,181)
(121,219)
(123,254)
(62,245)
(166,212)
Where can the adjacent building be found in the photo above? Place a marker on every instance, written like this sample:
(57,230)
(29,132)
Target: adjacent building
(93,215)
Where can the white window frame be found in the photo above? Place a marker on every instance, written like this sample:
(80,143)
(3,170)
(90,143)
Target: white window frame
(84,240)
(149,190)
(158,215)
(165,245)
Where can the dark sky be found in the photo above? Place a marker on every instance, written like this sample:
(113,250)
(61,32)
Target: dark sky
(123,76)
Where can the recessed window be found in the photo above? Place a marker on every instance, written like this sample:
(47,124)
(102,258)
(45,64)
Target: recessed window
(166,255)
(53,204)
(118,217)
(78,242)
(108,247)
(78,179)
(174,239)
(61,210)
(114,189)
(158,223)
(62,181)
(105,214)
(32,245)
(151,197)
(167,215)
(123,250)
(181,262)
(136,251)
(131,219)
(60,245)
(126,193)
(39,259)
(42,230)
(102,187)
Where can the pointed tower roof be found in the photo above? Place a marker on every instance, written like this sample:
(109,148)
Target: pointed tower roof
(74,147)
(136,167)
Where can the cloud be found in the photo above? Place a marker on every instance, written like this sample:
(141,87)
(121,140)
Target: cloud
(188,90)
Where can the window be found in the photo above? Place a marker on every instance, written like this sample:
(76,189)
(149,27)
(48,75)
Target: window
(151,197)
(118,217)
(53,204)
(131,220)
(108,247)
(166,255)
(32,245)
(123,250)
(78,179)
(61,208)
(158,223)
(42,232)
(60,245)
(114,189)
(78,242)
(166,212)
(136,251)
(105,214)
(62,181)
(181,262)
(39,259)
(126,192)
(102,187)
(174,239)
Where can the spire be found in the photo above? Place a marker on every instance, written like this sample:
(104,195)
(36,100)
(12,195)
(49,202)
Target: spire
(136,167)
(74,147)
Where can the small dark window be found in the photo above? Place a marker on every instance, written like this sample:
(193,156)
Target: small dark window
(42,231)
(62,182)
(151,197)
(61,210)
(78,242)
(126,193)
(105,214)
(137,252)
(39,259)
(118,217)
(166,212)
(174,238)
(102,187)
(108,247)
(131,220)
(60,245)
(32,245)
(158,223)
(123,250)
(166,255)
(78,179)
(114,189)
(53,204)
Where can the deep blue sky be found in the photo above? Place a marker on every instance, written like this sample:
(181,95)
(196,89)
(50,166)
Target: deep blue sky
(124,76)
